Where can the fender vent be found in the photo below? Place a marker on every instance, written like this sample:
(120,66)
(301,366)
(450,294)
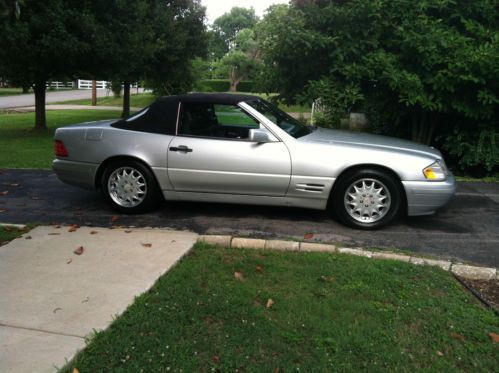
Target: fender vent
(314,188)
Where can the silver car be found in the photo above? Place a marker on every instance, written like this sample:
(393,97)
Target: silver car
(241,149)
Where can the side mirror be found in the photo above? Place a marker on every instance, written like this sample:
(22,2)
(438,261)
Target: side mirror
(258,136)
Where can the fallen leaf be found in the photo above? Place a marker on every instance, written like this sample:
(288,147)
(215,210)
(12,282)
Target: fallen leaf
(270,303)
(69,260)
(494,337)
(276,370)
(73,228)
(28,237)
(128,231)
(439,353)
(146,244)
(308,236)
(93,232)
(54,234)
(4,193)
(57,226)
(3,210)
(327,278)
(7,229)
(75,370)
(457,336)
(114,218)
(259,269)
(215,359)
(238,276)
(57,309)
(85,300)
(79,250)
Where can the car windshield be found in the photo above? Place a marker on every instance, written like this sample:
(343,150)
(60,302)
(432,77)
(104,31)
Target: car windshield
(279,117)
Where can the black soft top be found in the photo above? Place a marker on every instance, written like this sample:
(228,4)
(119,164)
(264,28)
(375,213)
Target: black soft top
(161,115)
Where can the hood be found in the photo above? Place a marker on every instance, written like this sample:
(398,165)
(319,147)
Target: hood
(326,135)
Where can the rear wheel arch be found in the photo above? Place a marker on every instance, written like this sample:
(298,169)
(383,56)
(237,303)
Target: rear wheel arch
(122,158)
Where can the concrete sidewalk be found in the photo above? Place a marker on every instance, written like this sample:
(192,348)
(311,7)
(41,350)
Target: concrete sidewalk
(51,298)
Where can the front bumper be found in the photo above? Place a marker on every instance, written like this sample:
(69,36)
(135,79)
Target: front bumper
(425,197)
(79,174)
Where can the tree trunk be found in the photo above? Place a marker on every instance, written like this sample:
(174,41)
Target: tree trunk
(40,120)
(94,93)
(423,127)
(233,86)
(126,99)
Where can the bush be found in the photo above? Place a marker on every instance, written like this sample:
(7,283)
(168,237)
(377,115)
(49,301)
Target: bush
(222,85)
(475,149)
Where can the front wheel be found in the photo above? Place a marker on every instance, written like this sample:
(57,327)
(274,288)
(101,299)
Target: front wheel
(129,187)
(367,198)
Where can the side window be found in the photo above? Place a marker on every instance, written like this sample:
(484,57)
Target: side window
(217,121)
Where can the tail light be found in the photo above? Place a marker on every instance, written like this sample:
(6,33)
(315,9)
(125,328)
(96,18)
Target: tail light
(60,149)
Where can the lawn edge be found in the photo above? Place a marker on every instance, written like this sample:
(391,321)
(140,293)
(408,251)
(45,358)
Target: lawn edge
(457,268)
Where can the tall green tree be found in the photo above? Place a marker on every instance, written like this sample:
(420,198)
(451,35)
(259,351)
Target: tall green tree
(227,26)
(428,62)
(242,61)
(41,41)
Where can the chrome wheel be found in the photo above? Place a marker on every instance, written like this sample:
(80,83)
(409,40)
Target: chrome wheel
(367,200)
(127,187)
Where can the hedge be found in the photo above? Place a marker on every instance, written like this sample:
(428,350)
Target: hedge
(223,85)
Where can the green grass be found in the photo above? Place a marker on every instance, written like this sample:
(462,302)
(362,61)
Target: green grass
(331,312)
(143,99)
(136,100)
(9,233)
(10,91)
(23,147)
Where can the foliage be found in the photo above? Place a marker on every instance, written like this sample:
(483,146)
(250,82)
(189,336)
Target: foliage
(329,312)
(431,59)
(223,85)
(227,26)
(242,61)
(476,149)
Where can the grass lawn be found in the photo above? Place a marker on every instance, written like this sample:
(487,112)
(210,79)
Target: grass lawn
(9,233)
(144,99)
(23,147)
(10,91)
(330,312)
(136,100)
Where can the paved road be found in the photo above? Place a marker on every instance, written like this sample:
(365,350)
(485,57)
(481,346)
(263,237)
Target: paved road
(17,101)
(466,230)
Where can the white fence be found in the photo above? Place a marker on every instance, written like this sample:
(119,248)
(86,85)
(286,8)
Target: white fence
(60,85)
(87,84)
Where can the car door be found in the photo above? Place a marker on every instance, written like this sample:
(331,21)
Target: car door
(211,154)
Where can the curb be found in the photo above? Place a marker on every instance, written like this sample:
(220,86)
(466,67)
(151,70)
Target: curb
(459,269)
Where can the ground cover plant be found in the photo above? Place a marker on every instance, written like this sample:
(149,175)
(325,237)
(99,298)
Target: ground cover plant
(262,311)
(23,147)
(8,233)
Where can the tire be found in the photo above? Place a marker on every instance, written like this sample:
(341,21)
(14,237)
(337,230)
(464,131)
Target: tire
(367,198)
(136,193)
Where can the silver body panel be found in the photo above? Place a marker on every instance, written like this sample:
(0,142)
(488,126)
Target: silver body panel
(284,172)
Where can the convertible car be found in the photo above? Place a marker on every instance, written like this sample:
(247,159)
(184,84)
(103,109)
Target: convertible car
(241,149)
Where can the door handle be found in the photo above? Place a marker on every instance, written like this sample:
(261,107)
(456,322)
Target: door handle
(180,148)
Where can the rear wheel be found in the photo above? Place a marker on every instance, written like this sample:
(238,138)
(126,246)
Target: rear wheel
(367,198)
(129,187)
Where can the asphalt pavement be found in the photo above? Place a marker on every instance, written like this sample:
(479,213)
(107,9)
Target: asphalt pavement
(466,230)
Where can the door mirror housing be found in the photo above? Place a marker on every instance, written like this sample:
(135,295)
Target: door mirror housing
(258,136)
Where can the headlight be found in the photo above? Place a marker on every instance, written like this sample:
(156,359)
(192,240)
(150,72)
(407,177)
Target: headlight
(436,171)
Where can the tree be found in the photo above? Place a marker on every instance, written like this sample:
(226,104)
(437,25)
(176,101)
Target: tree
(227,26)
(428,62)
(33,50)
(242,61)
(180,37)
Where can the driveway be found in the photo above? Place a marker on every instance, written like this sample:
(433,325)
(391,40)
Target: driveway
(466,230)
(17,101)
